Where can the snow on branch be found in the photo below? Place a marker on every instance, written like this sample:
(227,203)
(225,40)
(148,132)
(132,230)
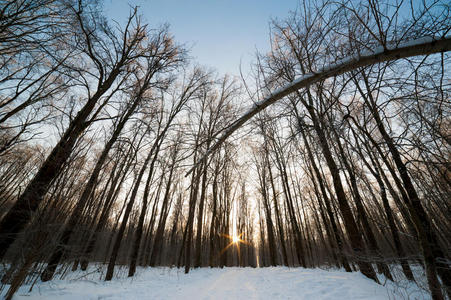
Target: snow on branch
(420,46)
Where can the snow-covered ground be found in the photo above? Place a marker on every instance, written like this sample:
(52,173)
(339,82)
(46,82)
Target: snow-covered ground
(227,283)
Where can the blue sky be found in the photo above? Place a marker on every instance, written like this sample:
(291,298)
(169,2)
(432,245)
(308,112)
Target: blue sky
(220,33)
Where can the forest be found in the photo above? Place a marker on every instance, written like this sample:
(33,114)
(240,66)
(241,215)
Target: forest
(118,149)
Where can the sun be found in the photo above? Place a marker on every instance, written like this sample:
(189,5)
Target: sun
(236,239)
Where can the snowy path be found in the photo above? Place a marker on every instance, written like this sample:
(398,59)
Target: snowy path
(227,283)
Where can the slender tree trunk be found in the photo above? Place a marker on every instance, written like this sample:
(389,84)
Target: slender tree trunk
(198,255)
(278,217)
